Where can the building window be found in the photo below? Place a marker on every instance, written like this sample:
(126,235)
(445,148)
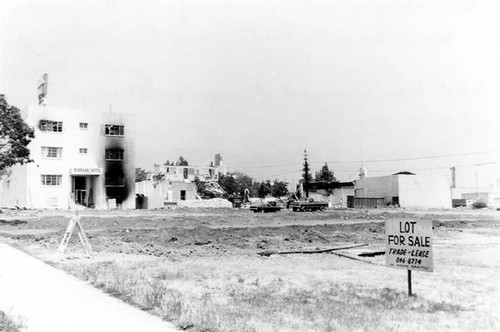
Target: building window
(114,182)
(113,154)
(83,150)
(114,130)
(51,180)
(48,125)
(51,152)
(84,125)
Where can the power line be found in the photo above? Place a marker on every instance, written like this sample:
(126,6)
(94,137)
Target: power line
(370,161)
(413,158)
(266,166)
(276,175)
(269,176)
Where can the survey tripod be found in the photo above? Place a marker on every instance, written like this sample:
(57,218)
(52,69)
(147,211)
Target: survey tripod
(75,223)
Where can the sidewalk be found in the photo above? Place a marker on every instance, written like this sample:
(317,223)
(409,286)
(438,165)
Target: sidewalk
(51,301)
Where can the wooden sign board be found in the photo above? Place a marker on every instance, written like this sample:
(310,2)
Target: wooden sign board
(409,245)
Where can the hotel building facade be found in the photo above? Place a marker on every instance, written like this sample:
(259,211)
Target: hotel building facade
(77,154)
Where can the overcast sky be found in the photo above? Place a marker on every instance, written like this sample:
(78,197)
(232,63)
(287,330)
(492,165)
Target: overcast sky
(259,81)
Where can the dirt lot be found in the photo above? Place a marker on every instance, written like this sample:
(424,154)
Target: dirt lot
(200,268)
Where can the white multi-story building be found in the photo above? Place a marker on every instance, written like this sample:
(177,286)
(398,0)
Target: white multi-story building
(174,183)
(187,173)
(77,154)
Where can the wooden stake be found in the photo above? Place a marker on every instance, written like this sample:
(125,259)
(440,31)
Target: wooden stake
(409,284)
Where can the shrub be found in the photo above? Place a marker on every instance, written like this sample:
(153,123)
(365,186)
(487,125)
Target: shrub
(479,205)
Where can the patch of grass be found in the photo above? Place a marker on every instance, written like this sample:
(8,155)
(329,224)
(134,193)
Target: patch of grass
(11,324)
(153,296)
(260,304)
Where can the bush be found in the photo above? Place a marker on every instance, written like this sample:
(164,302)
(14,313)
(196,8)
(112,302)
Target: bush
(479,205)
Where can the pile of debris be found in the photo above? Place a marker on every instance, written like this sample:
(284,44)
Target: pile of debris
(214,203)
(212,189)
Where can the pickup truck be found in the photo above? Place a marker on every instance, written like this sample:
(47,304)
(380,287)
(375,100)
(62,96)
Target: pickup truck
(309,205)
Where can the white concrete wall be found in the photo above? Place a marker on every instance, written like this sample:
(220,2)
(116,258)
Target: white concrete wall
(424,191)
(13,187)
(319,196)
(339,196)
(164,191)
(377,187)
(414,191)
(176,188)
(71,139)
(155,192)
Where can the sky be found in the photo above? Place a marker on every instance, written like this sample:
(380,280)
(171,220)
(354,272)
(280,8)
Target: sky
(394,85)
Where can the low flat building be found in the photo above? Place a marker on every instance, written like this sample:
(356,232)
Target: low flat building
(407,190)
(334,192)
(77,154)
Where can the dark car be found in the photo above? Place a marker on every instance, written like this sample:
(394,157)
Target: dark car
(264,207)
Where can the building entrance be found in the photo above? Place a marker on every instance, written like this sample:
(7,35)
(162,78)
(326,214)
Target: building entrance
(82,190)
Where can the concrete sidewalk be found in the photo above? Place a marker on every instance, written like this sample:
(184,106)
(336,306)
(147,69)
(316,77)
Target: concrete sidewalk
(51,300)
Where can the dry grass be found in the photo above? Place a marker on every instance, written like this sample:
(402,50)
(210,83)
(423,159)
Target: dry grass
(253,304)
(11,324)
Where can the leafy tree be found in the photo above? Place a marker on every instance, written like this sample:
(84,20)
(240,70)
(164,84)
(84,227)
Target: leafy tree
(264,189)
(182,162)
(201,189)
(236,182)
(324,174)
(306,175)
(15,135)
(140,174)
(228,183)
(279,188)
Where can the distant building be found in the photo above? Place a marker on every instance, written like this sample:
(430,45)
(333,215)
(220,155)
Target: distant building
(489,195)
(187,173)
(80,154)
(171,183)
(334,192)
(219,164)
(406,190)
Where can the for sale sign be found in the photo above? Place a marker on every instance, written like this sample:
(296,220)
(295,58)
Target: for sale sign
(409,245)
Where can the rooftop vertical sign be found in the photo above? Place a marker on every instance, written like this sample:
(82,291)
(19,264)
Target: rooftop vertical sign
(42,85)
(409,245)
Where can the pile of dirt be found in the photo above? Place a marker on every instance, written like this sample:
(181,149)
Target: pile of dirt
(214,203)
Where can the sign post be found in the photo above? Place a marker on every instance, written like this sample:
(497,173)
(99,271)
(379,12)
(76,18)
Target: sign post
(409,246)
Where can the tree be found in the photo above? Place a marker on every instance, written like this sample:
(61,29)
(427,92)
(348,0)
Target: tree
(279,188)
(324,174)
(140,174)
(264,189)
(182,162)
(235,183)
(15,135)
(306,175)
(201,189)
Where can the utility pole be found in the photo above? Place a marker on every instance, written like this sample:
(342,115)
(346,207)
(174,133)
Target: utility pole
(306,174)
(477,185)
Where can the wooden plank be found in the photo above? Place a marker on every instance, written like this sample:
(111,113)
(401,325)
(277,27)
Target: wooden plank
(318,251)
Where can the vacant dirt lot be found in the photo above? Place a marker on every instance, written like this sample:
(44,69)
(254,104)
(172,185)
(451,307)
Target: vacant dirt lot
(201,270)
